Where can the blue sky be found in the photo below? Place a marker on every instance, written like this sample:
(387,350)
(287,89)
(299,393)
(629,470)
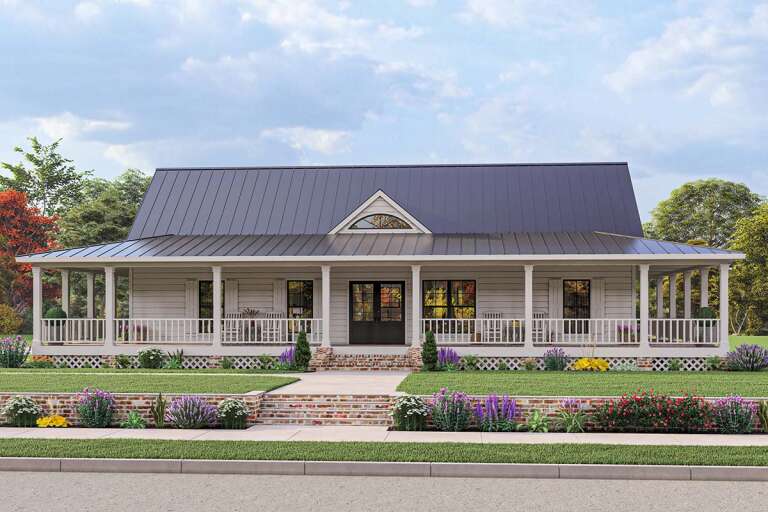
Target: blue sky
(677,89)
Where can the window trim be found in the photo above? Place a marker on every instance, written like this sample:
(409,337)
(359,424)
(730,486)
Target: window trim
(449,306)
(352,227)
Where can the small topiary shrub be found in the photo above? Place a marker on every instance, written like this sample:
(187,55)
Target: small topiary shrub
(13,352)
(233,413)
(95,408)
(748,358)
(191,412)
(151,358)
(158,409)
(22,411)
(492,416)
(429,352)
(303,353)
(409,412)
(734,415)
(555,360)
(10,321)
(450,411)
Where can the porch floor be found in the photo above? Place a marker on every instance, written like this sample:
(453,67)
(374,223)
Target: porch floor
(342,382)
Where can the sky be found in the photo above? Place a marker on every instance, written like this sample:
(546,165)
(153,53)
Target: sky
(678,89)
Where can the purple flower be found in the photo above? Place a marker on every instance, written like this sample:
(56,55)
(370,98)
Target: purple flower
(570,405)
(288,356)
(191,412)
(447,356)
(750,358)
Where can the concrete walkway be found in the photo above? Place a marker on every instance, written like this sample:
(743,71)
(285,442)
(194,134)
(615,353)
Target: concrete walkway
(343,383)
(380,434)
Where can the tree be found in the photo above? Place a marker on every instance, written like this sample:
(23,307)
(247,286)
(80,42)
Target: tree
(23,230)
(705,210)
(51,183)
(750,276)
(429,352)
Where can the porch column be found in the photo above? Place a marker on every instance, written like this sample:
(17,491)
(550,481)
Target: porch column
(673,295)
(90,305)
(529,306)
(37,304)
(65,291)
(416,305)
(644,345)
(216,270)
(660,297)
(687,294)
(724,325)
(704,286)
(109,305)
(326,288)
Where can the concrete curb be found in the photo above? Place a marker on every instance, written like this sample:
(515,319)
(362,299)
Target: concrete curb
(401,469)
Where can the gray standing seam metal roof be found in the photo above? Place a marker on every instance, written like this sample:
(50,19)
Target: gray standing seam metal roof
(524,244)
(501,198)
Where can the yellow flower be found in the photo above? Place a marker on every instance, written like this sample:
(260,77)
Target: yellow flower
(591,364)
(52,421)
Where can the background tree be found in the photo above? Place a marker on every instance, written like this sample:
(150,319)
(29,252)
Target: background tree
(704,210)
(750,276)
(51,182)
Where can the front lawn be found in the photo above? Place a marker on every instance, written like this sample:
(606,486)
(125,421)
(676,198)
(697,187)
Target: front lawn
(138,381)
(539,383)
(390,452)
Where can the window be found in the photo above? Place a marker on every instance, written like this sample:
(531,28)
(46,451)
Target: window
(576,305)
(300,299)
(391,302)
(380,221)
(448,299)
(205,303)
(362,302)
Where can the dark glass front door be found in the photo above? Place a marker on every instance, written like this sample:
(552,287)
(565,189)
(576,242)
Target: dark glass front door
(377,313)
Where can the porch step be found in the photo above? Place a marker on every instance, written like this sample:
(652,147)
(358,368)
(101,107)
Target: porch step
(353,410)
(328,360)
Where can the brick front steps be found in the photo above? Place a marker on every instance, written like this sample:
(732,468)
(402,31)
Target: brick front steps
(326,359)
(355,410)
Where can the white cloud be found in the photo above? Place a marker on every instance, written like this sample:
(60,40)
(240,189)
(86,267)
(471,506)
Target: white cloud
(442,83)
(520,70)
(421,3)
(546,17)
(128,156)
(87,11)
(68,125)
(302,138)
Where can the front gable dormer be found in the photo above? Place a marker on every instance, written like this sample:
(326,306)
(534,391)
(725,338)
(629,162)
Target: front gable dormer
(379,214)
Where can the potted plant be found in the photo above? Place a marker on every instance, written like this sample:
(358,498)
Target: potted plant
(56,329)
(707,330)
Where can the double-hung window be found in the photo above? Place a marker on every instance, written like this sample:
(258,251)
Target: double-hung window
(576,305)
(300,298)
(449,299)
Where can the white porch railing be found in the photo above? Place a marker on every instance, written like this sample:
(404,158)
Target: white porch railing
(475,330)
(164,330)
(684,331)
(586,331)
(248,331)
(76,331)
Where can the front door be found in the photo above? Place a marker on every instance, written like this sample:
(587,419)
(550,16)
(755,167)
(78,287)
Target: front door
(377,312)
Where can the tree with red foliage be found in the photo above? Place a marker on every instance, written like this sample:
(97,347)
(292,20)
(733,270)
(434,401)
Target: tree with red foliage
(23,230)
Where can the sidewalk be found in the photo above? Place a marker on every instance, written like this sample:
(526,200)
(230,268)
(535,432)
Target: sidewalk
(343,383)
(380,434)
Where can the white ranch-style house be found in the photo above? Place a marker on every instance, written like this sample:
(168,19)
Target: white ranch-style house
(500,261)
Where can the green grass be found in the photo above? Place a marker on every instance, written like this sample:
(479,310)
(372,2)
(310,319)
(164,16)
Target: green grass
(588,384)
(138,381)
(735,341)
(391,452)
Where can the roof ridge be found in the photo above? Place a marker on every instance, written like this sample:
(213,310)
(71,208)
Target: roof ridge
(384,166)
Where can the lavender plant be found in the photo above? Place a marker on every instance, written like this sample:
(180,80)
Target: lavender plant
(571,416)
(450,411)
(286,359)
(447,359)
(191,412)
(748,358)
(555,360)
(734,415)
(13,352)
(95,408)
(492,416)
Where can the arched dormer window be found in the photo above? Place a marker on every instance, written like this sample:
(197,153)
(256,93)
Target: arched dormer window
(380,221)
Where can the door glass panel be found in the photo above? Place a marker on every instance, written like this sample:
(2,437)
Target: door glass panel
(576,305)
(362,302)
(391,300)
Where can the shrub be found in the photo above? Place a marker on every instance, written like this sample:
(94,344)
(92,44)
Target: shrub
(626,366)
(158,410)
(706,313)
(191,412)
(303,353)
(591,364)
(13,352)
(53,421)
(492,416)
(134,420)
(762,414)
(502,366)
(674,365)
(55,313)
(95,408)
(747,358)
(226,363)
(429,352)
(530,364)
(266,362)
(151,358)
(22,411)
(645,411)
(175,360)
(122,362)
(447,359)
(409,412)
(714,363)
(39,363)
(571,416)
(450,411)
(555,360)
(469,362)
(537,422)
(10,321)
(734,415)
(233,413)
